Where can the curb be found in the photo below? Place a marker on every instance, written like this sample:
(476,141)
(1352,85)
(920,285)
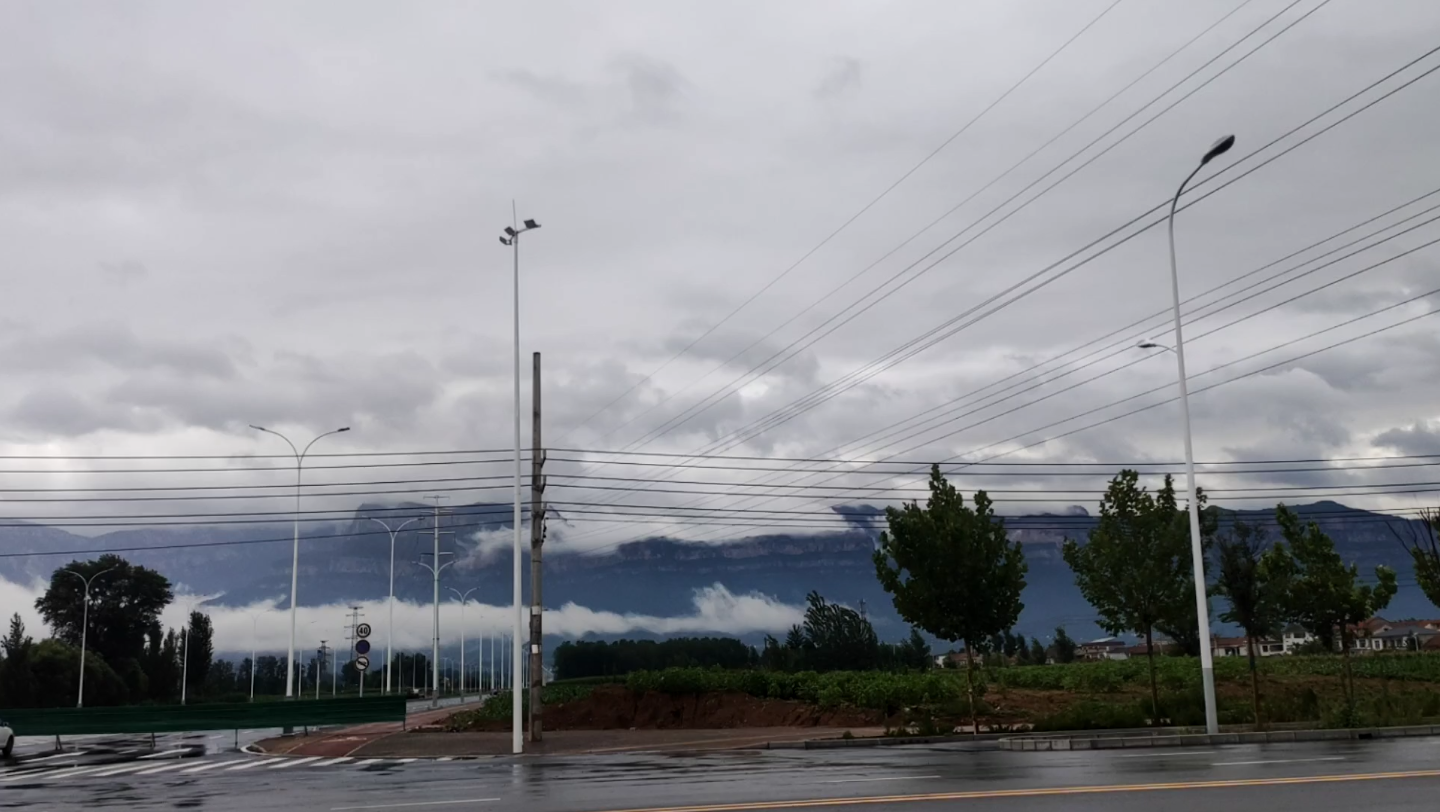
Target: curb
(1093,742)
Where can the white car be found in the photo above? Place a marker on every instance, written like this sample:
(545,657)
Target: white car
(8,737)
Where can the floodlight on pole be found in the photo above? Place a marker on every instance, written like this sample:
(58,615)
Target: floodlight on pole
(516,734)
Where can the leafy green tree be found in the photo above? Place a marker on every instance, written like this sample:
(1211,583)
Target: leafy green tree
(1065,646)
(125,606)
(1321,592)
(1256,594)
(198,649)
(1037,651)
(56,669)
(17,683)
(837,637)
(952,571)
(1423,544)
(1136,568)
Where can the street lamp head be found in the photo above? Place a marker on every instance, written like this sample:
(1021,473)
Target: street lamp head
(504,241)
(1147,345)
(531,224)
(1218,148)
(344,428)
(258,428)
(509,231)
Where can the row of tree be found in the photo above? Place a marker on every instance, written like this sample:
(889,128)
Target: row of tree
(952,570)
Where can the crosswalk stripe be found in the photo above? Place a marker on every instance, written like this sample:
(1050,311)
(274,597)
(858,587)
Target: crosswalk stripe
(126,769)
(32,774)
(166,754)
(446,758)
(332,761)
(209,765)
(163,768)
(252,764)
(76,771)
(293,762)
(362,762)
(404,760)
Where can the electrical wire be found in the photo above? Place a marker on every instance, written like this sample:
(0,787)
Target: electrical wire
(852,218)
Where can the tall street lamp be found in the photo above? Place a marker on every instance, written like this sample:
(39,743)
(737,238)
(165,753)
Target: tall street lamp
(185,645)
(465,596)
(85,626)
(295,555)
(1197,555)
(390,624)
(517,744)
(254,637)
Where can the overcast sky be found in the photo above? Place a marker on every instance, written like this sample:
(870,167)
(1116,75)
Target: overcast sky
(215,214)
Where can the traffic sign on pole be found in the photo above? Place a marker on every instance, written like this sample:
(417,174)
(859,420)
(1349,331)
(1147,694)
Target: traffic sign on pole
(362,663)
(362,646)
(362,631)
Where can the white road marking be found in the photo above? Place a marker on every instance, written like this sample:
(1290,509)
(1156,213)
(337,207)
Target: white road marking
(363,762)
(332,762)
(404,760)
(251,764)
(127,768)
(32,774)
(882,778)
(293,762)
(73,771)
(50,757)
(1156,752)
(1275,761)
(209,765)
(167,754)
(162,768)
(414,804)
(446,758)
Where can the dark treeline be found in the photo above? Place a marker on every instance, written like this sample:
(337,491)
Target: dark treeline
(597,658)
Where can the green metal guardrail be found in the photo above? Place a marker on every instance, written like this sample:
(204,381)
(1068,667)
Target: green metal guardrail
(227,716)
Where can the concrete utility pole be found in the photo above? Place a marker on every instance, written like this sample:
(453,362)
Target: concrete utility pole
(435,639)
(537,540)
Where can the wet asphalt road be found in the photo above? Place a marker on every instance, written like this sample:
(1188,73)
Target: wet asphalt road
(1278,778)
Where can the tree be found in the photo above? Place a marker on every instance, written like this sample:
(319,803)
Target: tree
(1136,568)
(1321,593)
(198,649)
(125,606)
(17,684)
(1065,646)
(1255,593)
(951,570)
(1423,545)
(838,638)
(1037,651)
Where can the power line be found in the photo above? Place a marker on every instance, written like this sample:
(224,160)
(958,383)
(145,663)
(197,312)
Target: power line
(712,400)
(1289,149)
(757,342)
(853,217)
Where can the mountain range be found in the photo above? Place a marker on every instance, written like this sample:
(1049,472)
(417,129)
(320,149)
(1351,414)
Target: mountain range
(656,577)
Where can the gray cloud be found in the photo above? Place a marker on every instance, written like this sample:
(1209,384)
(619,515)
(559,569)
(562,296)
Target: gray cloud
(209,224)
(1419,438)
(843,78)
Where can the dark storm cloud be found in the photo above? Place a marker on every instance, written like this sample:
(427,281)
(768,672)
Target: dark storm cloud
(1419,438)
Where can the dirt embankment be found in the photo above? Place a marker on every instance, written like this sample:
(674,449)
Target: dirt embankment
(614,707)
